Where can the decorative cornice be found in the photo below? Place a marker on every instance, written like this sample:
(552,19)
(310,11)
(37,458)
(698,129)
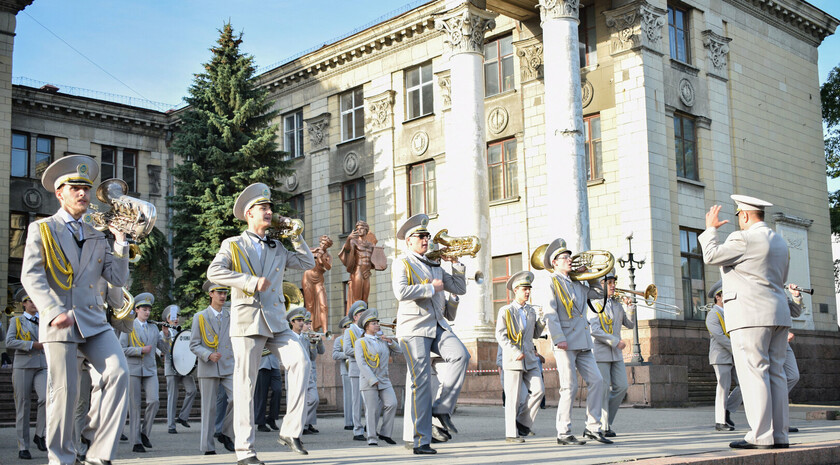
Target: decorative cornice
(794,16)
(318,129)
(634,26)
(780,217)
(530,53)
(718,48)
(14,6)
(464,28)
(380,109)
(559,9)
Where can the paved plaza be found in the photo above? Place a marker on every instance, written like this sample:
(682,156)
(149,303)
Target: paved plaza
(671,434)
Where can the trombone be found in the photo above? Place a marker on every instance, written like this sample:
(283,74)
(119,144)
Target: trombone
(649,295)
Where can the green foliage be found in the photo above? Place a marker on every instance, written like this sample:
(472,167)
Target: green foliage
(226,142)
(152,273)
(830,98)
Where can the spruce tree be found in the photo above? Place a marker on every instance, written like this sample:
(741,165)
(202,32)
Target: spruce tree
(152,272)
(226,142)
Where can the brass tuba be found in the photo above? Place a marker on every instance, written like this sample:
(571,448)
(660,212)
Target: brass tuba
(130,215)
(127,306)
(283,227)
(292,295)
(454,247)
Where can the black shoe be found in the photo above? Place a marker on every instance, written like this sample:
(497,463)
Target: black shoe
(522,430)
(570,441)
(42,444)
(312,429)
(723,427)
(295,444)
(228,443)
(138,448)
(25,455)
(728,419)
(145,440)
(781,446)
(446,421)
(216,436)
(97,462)
(182,423)
(425,449)
(252,460)
(173,431)
(263,429)
(791,429)
(222,438)
(747,445)
(439,434)
(609,433)
(271,424)
(210,452)
(123,437)
(85,441)
(387,439)
(348,428)
(80,459)
(514,440)
(359,437)
(599,436)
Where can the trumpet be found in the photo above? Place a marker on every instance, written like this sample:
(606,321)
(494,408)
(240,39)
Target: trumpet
(167,325)
(317,335)
(283,227)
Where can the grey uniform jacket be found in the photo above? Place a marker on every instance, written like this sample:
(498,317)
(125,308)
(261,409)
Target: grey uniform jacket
(339,355)
(368,376)
(206,368)
(25,356)
(754,268)
(720,347)
(140,364)
(81,301)
(604,341)
(574,331)
(509,314)
(421,309)
(315,349)
(350,348)
(261,313)
(269,362)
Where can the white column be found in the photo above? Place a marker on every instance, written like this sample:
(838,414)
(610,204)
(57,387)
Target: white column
(564,144)
(464,207)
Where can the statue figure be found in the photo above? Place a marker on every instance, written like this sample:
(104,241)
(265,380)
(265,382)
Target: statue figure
(314,290)
(360,256)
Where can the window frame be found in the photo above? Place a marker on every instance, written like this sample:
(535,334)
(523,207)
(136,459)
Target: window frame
(50,155)
(504,163)
(499,65)
(587,37)
(297,203)
(102,162)
(429,85)
(131,181)
(426,183)
(673,29)
(593,159)
(21,231)
(296,134)
(25,150)
(680,144)
(508,297)
(356,111)
(691,312)
(357,202)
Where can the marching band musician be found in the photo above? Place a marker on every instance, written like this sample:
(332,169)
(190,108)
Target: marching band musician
(174,379)
(339,356)
(211,343)
(63,261)
(315,348)
(607,347)
(418,285)
(138,346)
(720,357)
(569,329)
(372,354)
(253,266)
(352,335)
(28,370)
(517,326)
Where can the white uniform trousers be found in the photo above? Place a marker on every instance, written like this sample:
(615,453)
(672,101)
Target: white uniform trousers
(791,369)
(347,390)
(725,400)
(105,354)
(516,384)
(23,380)
(614,375)
(209,396)
(312,398)
(172,391)
(380,403)
(569,364)
(247,351)
(150,385)
(81,415)
(759,354)
(356,397)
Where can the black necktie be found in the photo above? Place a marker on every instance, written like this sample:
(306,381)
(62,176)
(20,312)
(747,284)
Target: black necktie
(34,320)
(268,242)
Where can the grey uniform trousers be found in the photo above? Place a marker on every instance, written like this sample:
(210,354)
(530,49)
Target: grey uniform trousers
(569,364)
(172,391)
(347,390)
(209,404)
(23,380)
(312,397)
(82,413)
(106,356)
(418,393)
(614,375)
(725,400)
(247,351)
(517,384)
(150,385)
(380,402)
(356,404)
(759,354)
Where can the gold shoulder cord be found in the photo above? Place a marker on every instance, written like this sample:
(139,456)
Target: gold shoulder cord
(235,254)
(215,343)
(722,324)
(411,274)
(22,335)
(372,361)
(516,338)
(55,259)
(135,341)
(561,294)
(606,322)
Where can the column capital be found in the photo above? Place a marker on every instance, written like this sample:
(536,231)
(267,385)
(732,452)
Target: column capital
(464,28)
(559,9)
(636,25)
(530,53)
(318,129)
(718,47)
(380,109)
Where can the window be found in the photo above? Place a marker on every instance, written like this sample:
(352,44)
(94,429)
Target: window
(129,169)
(693,280)
(108,167)
(498,66)
(353,203)
(592,146)
(678,33)
(20,155)
(293,135)
(17,234)
(418,85)
(422,192)
(43,154)
(352,114)
(685,145)
(586,37)
(296,204)
(501,165)
(503,268)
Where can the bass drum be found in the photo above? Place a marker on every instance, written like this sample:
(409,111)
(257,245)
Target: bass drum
(184,360)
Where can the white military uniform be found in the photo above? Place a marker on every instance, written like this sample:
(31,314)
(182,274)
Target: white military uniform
(173,379)
(312,398)
(606,334)
(28,370)
(341,358)
(372,355)
(351,335)
(720,357)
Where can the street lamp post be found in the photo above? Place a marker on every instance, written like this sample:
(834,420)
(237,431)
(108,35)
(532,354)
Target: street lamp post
(632,264)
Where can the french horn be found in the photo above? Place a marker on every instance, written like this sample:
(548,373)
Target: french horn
(597,263)
(131,216)
(453,247)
